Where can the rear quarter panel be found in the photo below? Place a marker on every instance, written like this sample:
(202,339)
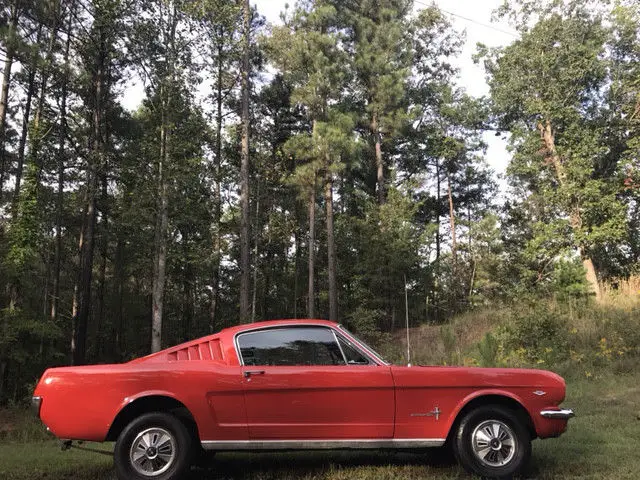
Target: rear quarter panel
(82,402)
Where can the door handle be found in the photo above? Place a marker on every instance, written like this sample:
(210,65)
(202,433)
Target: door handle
(248,373)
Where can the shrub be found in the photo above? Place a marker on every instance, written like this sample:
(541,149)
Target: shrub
(534,336)
(449,341)
(488,349)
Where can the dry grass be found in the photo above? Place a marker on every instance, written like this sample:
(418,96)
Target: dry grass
(623,289)
(448,343)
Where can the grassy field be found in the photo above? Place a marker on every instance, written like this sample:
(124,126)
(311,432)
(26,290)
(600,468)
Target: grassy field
(602,443)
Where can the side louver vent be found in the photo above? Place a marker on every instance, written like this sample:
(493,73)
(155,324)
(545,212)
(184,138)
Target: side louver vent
(209,350)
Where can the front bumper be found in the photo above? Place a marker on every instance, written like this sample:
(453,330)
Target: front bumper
(561,414)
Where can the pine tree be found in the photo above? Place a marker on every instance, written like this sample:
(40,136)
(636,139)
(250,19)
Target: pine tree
(245,167)
(382,66)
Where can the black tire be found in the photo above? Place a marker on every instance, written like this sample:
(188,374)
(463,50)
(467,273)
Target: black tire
(171,460)
(495,460)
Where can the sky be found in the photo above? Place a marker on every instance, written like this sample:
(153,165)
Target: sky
(474,18)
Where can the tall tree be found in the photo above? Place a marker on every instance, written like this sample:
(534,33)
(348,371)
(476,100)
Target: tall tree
(544,88)
(244,168)
(308,51)
(64,75)
(382,64)
(98,55)
(222,22)
(9,41)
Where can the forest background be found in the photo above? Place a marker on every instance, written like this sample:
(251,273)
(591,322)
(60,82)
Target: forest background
(321,168)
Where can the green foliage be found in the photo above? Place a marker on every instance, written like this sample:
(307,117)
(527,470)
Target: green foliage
(448,336)
(488,350)
(535,335)
(568,281)
(562,151)
(365,324)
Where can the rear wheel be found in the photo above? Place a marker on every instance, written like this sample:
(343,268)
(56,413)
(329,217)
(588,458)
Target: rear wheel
(493,442)
(154,446)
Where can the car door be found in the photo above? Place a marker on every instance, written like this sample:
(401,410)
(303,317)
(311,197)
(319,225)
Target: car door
(298,384)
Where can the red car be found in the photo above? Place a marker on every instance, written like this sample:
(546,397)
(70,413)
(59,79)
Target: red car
(297,384)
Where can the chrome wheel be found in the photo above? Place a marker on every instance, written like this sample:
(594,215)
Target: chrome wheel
(493,443)
(152,452)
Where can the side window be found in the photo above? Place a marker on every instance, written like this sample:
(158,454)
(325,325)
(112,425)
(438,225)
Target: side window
(353,356)
(290,346)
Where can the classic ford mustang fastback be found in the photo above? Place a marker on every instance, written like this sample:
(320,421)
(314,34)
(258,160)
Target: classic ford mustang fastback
(296,384)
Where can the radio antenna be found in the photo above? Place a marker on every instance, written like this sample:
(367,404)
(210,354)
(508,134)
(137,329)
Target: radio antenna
(406,312)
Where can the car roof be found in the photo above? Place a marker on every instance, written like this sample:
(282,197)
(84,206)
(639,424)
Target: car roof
(276,323)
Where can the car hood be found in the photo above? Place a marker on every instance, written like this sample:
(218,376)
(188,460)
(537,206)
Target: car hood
(477,377)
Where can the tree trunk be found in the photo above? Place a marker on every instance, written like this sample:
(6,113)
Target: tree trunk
(4,99)
(591,275)
(375,130)
(452,221)
(83,287)
(167,85)
(102,272)
(187,296)
(160,242)
(60,156)
(217,243)
(575,218)
(119,274)
(438,209)
(36,164)
(87,237)
(24,132)
(255,256)
(296,242)
(331,248)
(312,241)
(244,172)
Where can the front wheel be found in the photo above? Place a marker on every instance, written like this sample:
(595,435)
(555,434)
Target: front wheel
(492,442)
(154,446)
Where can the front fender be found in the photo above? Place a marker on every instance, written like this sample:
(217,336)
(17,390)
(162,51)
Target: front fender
(489,392)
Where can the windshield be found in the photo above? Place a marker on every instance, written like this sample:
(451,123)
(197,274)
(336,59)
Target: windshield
(364,344)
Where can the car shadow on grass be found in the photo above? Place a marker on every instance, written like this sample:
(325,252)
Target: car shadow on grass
(435,463)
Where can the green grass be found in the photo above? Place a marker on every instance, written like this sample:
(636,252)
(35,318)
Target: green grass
(602,443)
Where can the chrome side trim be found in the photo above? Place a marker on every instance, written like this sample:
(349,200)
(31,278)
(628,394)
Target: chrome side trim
(564,414)
(321,444)
(372,358)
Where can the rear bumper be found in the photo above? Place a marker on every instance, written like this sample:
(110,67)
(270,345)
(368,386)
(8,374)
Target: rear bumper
(561,414)
(36,402)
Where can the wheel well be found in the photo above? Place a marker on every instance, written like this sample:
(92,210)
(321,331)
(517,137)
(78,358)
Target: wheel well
(498,400)
(153,403)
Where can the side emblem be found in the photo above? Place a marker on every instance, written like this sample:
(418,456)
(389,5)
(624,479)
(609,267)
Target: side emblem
(540,393)
(433,413)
